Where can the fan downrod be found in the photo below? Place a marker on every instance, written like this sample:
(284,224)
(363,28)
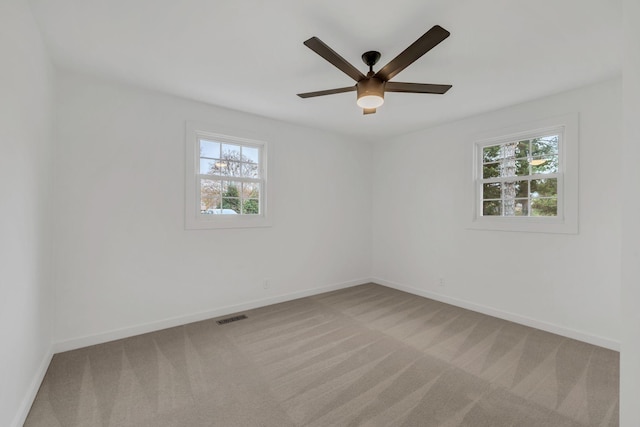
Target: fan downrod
(371,58)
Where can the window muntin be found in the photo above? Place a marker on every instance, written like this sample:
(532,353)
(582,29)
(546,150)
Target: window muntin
(519,177)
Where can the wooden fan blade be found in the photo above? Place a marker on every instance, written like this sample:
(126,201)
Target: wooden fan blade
(368,111)
(416,88)
(318,46)
(327,92)
(424,44)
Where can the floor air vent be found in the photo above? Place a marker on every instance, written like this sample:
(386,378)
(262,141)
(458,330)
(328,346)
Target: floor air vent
(231,319)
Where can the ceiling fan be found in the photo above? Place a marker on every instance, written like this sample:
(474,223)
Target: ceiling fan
(371,88)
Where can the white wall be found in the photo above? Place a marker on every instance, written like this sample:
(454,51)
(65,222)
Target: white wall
(630,354)
(25,292)
(124,263)
(564,283)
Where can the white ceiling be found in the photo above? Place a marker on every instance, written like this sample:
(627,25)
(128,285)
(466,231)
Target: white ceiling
(248,54)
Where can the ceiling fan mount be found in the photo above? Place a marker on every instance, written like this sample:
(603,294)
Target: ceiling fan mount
(371,58)
(371,88)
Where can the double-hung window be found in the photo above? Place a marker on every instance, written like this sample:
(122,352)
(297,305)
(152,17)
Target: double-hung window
(226,182)
(528,180)
(520,177)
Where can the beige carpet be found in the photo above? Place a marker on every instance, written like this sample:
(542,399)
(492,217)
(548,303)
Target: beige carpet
(363,356)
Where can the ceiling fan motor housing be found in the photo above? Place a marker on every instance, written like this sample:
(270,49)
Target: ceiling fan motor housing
(370,89)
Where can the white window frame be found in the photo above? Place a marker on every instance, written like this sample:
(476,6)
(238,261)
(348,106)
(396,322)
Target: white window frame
(194,220)
(567,219)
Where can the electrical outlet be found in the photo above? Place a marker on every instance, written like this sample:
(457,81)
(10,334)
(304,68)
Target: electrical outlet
(441,282)
(266,284)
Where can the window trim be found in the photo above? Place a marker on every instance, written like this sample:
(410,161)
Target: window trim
(194,220)
(567,220)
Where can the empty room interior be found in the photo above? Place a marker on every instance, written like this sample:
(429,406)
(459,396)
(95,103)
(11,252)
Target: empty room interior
(285,213)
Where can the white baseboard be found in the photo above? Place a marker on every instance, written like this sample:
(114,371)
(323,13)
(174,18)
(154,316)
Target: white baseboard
(116,334)
(27,401)
(512,317)
(222,311)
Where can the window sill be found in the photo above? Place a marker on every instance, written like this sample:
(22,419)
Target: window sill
(525,225)
(226,221)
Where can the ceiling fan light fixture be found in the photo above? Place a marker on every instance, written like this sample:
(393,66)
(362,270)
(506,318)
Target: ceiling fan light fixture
(370,101)
(370,93)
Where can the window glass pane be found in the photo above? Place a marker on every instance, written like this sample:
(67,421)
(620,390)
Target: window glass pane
(544,206)
(491,191)
(250,198)
(231,188)
(490,154)
(523,149)
(509,150)
(231,152)
(509,190)
(231,197)
(521,207)
(491,208)
(508,167)
(491,170)
(509,207)
(544,146)
(233,169)
(210,192)
(544,165)
(210,188)
(230,206)
(251,207)
(251,190)
(249,170)
(207,166)
(250,154)
(522,189)
(544,187)
(207,205)
(219,167)
(209,149)
(522,167)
